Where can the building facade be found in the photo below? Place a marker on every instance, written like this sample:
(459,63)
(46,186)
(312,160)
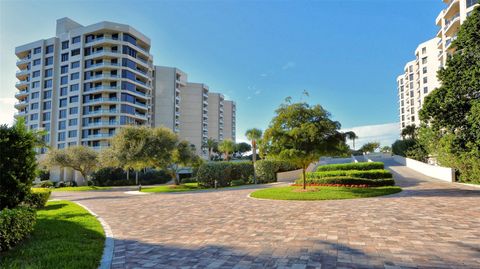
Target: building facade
(229,120)
(215,116)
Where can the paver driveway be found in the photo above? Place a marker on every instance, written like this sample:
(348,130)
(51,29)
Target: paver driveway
(430,224)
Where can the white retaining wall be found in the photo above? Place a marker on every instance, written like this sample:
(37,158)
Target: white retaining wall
(438,172)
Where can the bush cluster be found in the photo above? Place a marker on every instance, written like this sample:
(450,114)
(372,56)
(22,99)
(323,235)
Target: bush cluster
(15,225)
(351,166)
(118,177)
(348,180)
(37,198)
(224,173)
(266,170)
(370,174)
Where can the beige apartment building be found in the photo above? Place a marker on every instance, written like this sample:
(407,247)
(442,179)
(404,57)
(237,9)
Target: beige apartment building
(419,76)
(85,83)
(229,120)
(215,116)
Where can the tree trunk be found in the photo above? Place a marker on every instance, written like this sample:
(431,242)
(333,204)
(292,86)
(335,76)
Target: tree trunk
(128,175)
(254,159)
(136,177)
(353,144)
(304,178)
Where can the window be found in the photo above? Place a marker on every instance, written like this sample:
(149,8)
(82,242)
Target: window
(36,62)
(75,39)
(61,137)
(71,144)
(130,39)
(425,80)
(48,73)
(65,45)
(73,110)
(62,125)
(47,94)
(36,74)
(47,105)
(74,99)
(46,116)
(49,49)
(62,114)
(34,106)
(75,64)
(425,90)
(471,3)
(424,70)
(35,95)
(48,61)
(72,133)
(61,145)
(64,57)
(37,50)
(74,76)
(35,84)
(424,50)
(74,87)
(63,102)
(72,122)
(63,91)
(64,69)
(34,116)
(424,60)
(63,80)
(75,52)
(47,83)
(33,126)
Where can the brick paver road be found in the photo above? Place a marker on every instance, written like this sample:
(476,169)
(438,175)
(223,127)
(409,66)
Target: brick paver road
(430,224)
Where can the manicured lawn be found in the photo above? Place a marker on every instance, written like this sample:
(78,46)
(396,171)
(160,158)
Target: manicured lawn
(173,188)
(80,188)
(322,193)
(65,236)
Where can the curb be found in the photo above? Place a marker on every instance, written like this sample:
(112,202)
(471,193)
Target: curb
(107,256)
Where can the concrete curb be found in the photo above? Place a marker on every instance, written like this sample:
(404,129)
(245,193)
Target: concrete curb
(107,256)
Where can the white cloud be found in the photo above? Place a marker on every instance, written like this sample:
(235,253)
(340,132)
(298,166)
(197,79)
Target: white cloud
(263,75)
(249,97)
(257,92)
(288,65)
(7,110)
(385,134)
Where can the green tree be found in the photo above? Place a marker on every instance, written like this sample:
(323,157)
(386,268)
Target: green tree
(451,111)
(160,147)
(253,135)
(211,145)
(183,155)
(227,146)
(79,158)
(242,147)
(301,134)
(17,163)
(410,131)
(386,149)
(370,147)
(351,136)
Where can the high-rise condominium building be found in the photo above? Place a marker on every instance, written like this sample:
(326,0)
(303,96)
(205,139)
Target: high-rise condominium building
(420,75)
(215,116)
(86,82)
(229,120)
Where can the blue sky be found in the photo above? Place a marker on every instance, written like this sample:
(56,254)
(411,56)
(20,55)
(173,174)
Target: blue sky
(346,54)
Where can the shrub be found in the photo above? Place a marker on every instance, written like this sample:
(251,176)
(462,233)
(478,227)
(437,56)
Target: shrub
(17,163)
(351,166)
(60,184)
(46,184)
(152,177)
(90,183)
(223,173)
(15,224)
(43,175)
(118,177)
(37,198)
(189,180)
(370,174)
(238,182)
(348,180)
(266,170)
(400,147)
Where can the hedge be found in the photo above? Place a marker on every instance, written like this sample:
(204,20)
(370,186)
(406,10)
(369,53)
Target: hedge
(37,198)
(224,173)
(370,174)
(118,177)
(266,170)
(351,166)
(15,225)
(347,180)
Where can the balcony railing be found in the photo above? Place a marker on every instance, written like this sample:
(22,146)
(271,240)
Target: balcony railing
(23,60)
(103,64)
(101,123)
(97,100)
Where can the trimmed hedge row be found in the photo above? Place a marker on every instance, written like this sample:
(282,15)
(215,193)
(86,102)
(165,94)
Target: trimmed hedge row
(15,225)
(351,166)
(224,173)
(370,174)
(347,180)
(118,177)
(266,170)
(37,198)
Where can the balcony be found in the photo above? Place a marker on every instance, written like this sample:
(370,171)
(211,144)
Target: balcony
(23,73)
(22,93)
(97,136)
(103,77)
(452,25)
(103,52)
(101,111)
(101,123)
(21,104)
(103,64)
(21,113)
(102,100)
(100,40)
(22,84)
(23,61)
(102,88)
(452,8)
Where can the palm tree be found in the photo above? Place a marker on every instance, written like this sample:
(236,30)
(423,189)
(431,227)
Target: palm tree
(211,144)
(254,135)
(410,131)
(226,146)
(352,136)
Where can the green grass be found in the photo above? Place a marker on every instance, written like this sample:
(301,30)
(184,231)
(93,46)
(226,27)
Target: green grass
(79,188)
(65,236)
(471,182)
(173,188)
(322,193)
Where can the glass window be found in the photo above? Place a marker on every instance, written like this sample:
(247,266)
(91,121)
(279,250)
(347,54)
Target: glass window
(34,106)
(74,99)
(49,49)
(75,39)
(34,116)
(36,74)
(64,57)
(72,133)
(35,95)
(61,137)
(74,76)
(64,69)
(47,105)
(75,64)
(425,80)
(47,83)
(65,45)
(48,73)
(130,39)
(46,116)
(61,145)
(72,122)
(48,61)
(63,102)
(63,80)
(35,84)
(62,125)
(47,94)
(424,70)
(73,110)
(425,90)
(37,50)
(33,126)
(74,87)
(63,91)
(36,62)
(75,52)
(62,114)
